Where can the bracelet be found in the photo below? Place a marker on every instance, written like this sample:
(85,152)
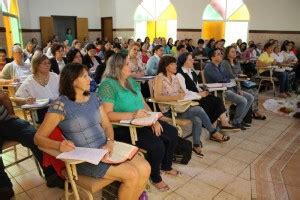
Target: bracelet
(109,139)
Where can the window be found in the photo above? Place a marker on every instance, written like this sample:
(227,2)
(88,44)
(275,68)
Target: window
(155,18)
(226,19)
(11,23)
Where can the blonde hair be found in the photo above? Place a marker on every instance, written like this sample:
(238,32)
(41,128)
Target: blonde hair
(37,59)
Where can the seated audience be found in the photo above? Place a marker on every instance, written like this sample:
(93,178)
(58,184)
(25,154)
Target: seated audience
(135,61)
(232,69)
(152,64)
(242,100)
(248,60)
(266,60)
(75,103)
(58,61)
(3,59)
(180,50)
(145,54)
(199,50)
(91,60)
(189,47)
(122,101)
(166,47)
(210,45)
(16,69)
(74,56)
(170,43)
(28,51)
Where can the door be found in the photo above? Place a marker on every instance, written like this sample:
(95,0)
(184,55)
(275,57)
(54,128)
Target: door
(107,28)
(82,29)
(47,29)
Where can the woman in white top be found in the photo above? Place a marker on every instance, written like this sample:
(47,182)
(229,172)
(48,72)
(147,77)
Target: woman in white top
(42,83)
(135,61)
(289,55)
(277,55)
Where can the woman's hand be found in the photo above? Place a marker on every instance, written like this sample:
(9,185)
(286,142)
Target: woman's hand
(30,100)
(180,96)
(140,113)
(157,128)
(109,146)
(66,145)
(204,93)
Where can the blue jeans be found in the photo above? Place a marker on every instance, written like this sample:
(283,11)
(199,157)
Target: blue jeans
(198,117)
(283,79)
(243,103)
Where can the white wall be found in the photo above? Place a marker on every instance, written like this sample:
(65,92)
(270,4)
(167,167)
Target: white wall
(81,8)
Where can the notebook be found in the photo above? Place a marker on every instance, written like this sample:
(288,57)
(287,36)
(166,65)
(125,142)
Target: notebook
(39,103)
(121,153)
(91,155)
(190,97)
(144,121)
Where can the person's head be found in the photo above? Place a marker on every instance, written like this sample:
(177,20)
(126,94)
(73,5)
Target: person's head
(250,42)
(218,45)
(107,46)
(289,46)
(34,41)
(230,53)
(139,40)
(170,41)
(259,46)
(2,55)
(200,43)
(57,50)
(239,42)
(133,50)
(180,49)
(74,56)
(185,60)
(167,64)
(276,48)
(163,41)
(215,55)
(176,43)
(158,50)
(29,46)
(145,47)
(222,42)
(76,44)
(74,79)
(268,47)
(252,46)
(211,43)
(40,64)
(147,40)
(117,67)
(116,40)
(243,46)
(69,31)
(17,53)
(117,47)
(190,42)
(55,38)
(130,41)
(91,50)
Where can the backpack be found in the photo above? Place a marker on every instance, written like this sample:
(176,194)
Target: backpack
(247,119)
(183,151)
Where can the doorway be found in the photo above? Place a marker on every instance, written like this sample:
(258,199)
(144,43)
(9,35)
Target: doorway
(61,23)
(107,28)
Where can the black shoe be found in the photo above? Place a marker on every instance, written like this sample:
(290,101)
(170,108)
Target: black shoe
(229,128)
(55,181)
(240,126)
(6,193)
(246,125)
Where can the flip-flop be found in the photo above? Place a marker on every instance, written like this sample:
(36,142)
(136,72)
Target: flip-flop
(198,153)
(161,189)
(178,173)
(225,138)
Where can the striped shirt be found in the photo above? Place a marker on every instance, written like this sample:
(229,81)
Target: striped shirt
(4,115)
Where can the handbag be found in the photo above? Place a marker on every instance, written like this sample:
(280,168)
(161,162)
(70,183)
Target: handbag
(184,106)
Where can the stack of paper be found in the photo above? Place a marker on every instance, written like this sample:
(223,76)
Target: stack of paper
(39,103)
(144,121)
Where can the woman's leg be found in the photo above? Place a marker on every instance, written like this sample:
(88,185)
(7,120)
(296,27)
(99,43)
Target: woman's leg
(131,176)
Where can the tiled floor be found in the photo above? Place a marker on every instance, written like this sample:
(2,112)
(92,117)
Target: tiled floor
(260,163)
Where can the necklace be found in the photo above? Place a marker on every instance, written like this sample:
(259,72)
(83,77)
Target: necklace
(42,81)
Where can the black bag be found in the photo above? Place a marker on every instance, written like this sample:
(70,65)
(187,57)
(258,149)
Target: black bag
(183,151)
(247,119)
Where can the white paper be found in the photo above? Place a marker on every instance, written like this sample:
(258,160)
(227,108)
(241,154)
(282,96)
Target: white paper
(144,121)
(214,85)
(91,155)
(190,97)
(37,104)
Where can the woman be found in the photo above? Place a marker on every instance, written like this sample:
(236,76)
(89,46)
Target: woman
(69,36)
(90,59)
(28,51)
(167,88)
(170,43)
(145,53)
(74,104)
(188,79)
(135,61)
(232,69)
(122,101)
(104,50)
(74,56)
(152,64)
(58,62)
(3,59)
(265,60)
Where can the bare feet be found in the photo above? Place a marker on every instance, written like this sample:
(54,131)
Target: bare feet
(161,186)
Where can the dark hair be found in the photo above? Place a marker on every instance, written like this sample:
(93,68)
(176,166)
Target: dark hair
(163,63)
(209,43)
(179,47)
(267,45)
(67,77)
(90,46)
(117,45)
(56,47)
(200,41)
(71,54)
(252,46)
(156,48)
(3,51)
(227,49)
(182,58)
(68,30)
(212,53)
(222,40)
(108,54)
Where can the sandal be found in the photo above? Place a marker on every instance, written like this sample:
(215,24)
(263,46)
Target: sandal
(198,153)
(163,188)
(259,117)
(225,138)
(176,172)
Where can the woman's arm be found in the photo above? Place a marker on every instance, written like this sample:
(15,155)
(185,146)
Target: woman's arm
(158,92)
(106,125)
(116,116)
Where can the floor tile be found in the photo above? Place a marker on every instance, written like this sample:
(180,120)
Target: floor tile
(291,176)
(196,189)
(22,196)
(230,165)
(176,182)
(215,177)
(29,180)
(16,187)
(193,168)
(43,192)
(293,192)
(174,196)
(246,174)
(253,146)
(242,155)
(239,188)
(225,196)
